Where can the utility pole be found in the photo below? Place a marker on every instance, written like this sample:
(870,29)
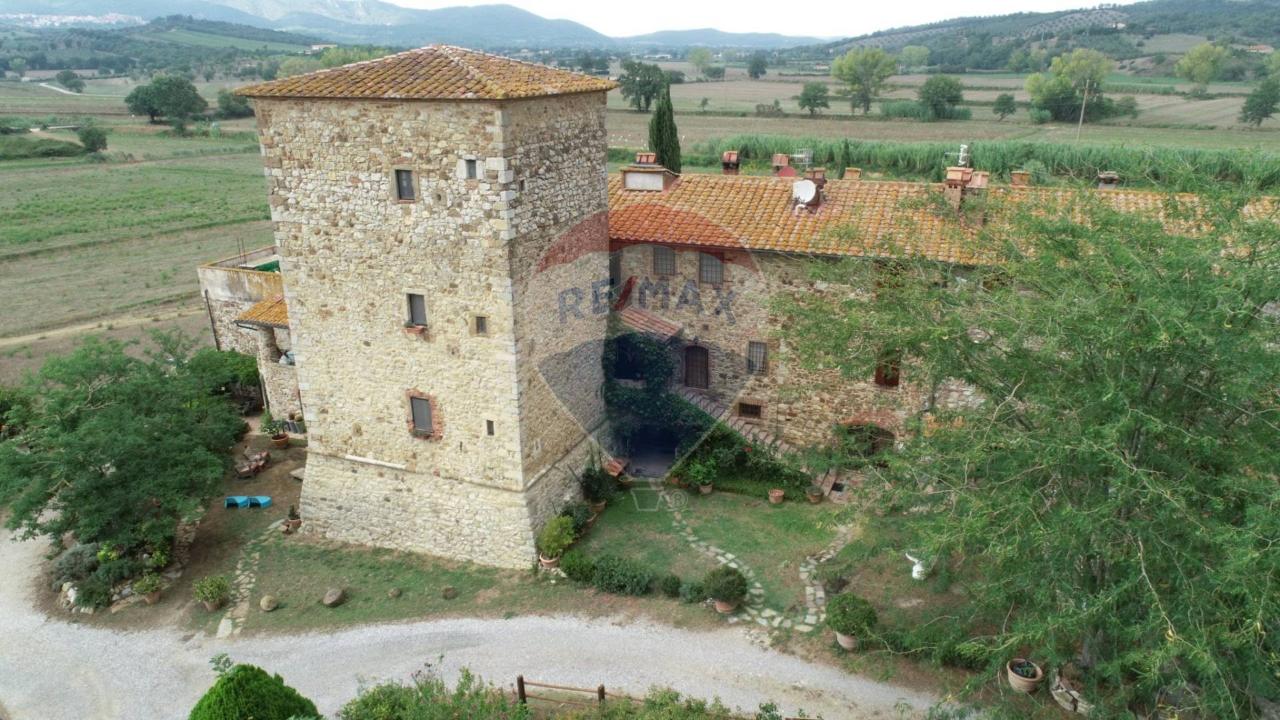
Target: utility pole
(1083,105)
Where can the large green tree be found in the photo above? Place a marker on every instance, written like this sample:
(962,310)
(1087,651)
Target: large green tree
(1073,84)
(1004,105)
(1261,103)
(115,448)
(864,71)
(939,95)
(814,95)
(757,65)
(700,59)
(1113,497)
(1201,65)
(664,138)
(641,82)
(169,96)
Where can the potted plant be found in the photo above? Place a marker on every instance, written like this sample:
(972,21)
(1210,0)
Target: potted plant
(555,538)
(851,617)
(776,496)
(293,521)
(727,587)
(213,591)
(597,487)
(275,429)
(414,329)
(148,586)
(1024,675)
(813,494)
(701,475)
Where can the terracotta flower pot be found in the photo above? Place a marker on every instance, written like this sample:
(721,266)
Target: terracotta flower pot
(597,507)
(1022,684)
(706,489)
(211,605)
(548,563)
(776,496)
(725,608)
(848,642)
(151,598)
(280,440)
(813,495)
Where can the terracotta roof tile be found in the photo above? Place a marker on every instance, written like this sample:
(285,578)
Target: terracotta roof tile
(855,217)
(646,322)
(435,72)
(272,312)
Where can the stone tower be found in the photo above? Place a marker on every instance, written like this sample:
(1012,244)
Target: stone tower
(441,220)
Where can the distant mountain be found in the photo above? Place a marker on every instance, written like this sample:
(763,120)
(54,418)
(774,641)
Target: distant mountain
(384,23)
(710,37)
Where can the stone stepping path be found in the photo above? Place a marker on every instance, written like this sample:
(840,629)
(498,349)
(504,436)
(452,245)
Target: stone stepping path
(754,609)
(232,621)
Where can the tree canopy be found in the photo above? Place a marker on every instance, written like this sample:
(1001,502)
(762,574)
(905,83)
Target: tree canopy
(70,80)
(913,56)
(939,95)
(757,66)
(641,83)
(114,448)
(814,95)
(1202,64)
(169,96)
(1004,105)
(247,692)
(664,138)
(1261,102)
(864,71)
(1112,498)
(700,59)
(1071,79)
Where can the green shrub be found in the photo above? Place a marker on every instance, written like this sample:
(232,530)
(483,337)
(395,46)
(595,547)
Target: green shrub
(849,614)
(597,485)
(93,138)
(93,592)
(692,592)
(621,576)
(670,585)
(726,584)
(149,582)
(213,589)
(247,692)
(578,567)
(556,536)
(1039,116)
(580,515)
(908,109)
(16,147)
(429,698)
(76,563)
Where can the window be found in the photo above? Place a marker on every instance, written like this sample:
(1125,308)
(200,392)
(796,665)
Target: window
(404,185)
(887,371)
(472,172)
(422,416)
(710,269)
(757,358)
(488,427)
(417,310)
(751,411)
(697,370)
(664,260)
(482,325)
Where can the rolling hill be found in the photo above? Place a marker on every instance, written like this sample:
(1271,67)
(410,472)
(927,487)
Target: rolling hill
(710,37)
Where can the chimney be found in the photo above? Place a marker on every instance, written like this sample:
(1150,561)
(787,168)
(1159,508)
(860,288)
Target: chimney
(817,175)
(647,175)
(729,162)
(853,173)
(780,160)
(953,185)
(1108,180)
(1020,178)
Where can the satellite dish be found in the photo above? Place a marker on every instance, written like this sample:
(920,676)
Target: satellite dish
(804,191)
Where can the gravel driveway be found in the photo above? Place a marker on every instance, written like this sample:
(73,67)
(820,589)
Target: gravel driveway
(55,670)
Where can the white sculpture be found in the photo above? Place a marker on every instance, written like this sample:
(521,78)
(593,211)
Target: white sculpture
(917,569)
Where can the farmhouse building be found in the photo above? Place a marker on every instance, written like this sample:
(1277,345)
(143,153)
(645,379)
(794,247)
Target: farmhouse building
(451,257)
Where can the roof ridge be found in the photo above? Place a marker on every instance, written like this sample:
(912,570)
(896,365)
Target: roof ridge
(452,51)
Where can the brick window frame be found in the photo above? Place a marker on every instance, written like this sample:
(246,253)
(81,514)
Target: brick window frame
(437,419)
(394,174)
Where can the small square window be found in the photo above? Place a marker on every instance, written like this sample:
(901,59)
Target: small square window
(664,260)
(472,170)
(422,416)
(482,325)
(757,358)
(417,310)
(488,427)
(404,185)
(751,411)
(710,269)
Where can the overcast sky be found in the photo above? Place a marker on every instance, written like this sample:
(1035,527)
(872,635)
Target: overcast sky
(822,18)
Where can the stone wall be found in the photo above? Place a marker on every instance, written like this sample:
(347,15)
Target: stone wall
(801,406)
(352,252)
(228,291)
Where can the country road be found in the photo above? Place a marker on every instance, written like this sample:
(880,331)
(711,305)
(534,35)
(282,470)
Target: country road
(51,669)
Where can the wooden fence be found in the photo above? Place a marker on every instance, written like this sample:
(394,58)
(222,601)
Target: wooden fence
(588,697)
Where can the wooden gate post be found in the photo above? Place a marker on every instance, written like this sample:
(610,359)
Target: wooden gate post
(524,700)
(600,694)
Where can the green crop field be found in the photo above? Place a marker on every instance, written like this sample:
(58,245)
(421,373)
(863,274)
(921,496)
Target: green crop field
(192,37)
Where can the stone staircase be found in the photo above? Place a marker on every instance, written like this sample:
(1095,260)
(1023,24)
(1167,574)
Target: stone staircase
(722,412)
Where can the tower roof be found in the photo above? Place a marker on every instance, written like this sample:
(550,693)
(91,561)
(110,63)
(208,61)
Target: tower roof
(435,72)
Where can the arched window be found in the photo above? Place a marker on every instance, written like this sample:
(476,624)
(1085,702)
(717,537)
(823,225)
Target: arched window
(697,367)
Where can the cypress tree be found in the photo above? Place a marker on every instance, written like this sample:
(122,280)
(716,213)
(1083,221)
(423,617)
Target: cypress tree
(663,136)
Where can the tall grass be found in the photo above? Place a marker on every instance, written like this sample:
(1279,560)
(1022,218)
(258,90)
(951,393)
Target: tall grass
(1178,169)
